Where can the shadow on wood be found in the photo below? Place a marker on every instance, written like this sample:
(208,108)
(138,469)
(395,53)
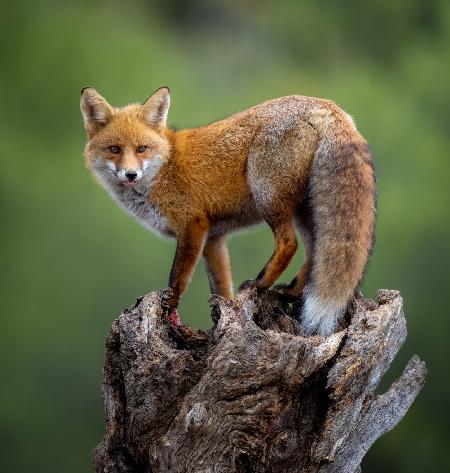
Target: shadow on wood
(252,394)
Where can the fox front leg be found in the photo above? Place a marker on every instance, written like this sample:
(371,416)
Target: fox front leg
(218,268)
(190,243)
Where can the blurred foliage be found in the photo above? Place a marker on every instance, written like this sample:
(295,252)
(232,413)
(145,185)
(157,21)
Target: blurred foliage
(71,260)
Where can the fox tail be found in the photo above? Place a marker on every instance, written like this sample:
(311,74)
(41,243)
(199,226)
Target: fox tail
(342,195)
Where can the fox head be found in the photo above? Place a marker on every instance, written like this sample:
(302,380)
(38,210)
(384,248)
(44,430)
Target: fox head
(126,146)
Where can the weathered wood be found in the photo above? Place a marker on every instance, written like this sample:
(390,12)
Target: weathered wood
(252,394)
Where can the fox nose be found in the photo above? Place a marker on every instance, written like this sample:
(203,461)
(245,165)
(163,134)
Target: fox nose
(131,175)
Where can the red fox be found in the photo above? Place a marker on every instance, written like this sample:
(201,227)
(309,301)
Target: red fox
(297,163)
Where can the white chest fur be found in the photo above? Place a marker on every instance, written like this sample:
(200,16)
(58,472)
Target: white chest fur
(135,200)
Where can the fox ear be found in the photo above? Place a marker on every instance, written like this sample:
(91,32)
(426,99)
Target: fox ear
(154,110)
(95,109)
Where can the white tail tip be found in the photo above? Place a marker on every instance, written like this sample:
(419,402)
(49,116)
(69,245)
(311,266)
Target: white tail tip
(320,316)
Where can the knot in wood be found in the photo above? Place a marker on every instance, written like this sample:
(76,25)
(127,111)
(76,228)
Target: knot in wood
(284,444)
(196,416)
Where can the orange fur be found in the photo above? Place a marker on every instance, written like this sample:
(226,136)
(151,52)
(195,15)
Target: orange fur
(218,267)
(274,162)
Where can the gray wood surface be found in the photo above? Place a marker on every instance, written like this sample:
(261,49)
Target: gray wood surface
(252,394)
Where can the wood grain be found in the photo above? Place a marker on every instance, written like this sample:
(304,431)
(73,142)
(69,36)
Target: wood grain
(253,394)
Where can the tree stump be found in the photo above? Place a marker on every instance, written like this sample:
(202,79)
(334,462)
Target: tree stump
(253,394)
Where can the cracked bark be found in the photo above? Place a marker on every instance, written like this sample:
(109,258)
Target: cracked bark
(252,394)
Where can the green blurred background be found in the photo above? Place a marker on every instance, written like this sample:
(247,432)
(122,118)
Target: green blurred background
(71,259)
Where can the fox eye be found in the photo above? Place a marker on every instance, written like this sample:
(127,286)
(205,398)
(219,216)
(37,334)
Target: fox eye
(142,149)
(114,149)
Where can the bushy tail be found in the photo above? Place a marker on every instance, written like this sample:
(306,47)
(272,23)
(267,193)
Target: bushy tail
(342,193)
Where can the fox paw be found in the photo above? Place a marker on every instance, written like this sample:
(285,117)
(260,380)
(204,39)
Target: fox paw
(286,293)
(248,284)
(174,318)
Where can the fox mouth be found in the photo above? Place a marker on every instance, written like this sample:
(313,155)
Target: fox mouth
(130,183)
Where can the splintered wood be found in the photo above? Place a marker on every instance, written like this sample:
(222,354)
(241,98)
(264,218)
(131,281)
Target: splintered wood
(253,394)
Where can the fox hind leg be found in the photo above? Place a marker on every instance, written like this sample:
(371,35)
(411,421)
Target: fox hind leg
(285,247)
(304,224)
